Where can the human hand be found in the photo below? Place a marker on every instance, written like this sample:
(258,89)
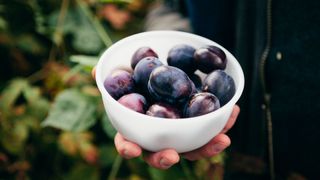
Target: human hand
(166,158)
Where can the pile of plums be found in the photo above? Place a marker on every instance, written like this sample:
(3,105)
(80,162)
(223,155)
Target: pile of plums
(173,90)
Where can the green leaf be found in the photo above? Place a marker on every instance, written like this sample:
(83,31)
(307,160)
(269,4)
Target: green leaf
(31,94)
(31,122)
(3,24)
(72,111)
(89,61)
(39,108)
(107,126)
(84,37)
(11,93)
(13,140)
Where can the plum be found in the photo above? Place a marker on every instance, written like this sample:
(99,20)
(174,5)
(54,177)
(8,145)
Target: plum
(200,104)
(143,70)
(141,53)
(210,58)
(181,56)
(134,101)
(163,110)
(220,84)
(169,84)
(118,83)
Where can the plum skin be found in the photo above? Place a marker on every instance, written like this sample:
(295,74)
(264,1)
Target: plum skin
(200,104)
(182,57)
(134,101)
(221,85)
(164,111)
(210,58)
(118,83)
(143,70)
(169,84)
(141,53)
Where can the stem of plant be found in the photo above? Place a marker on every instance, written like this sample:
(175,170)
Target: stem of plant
(57,35)
(115,168)
(96,24)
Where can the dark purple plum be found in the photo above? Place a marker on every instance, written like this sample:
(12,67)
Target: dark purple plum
(143,70)
(134,101)
(221,85)
(141,53)
(181,56)
(169,84)
(210,58)
(118,83)
(164,111)
(200,104)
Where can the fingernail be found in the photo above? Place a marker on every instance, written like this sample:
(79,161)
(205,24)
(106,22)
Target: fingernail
(217,148)
(164,163)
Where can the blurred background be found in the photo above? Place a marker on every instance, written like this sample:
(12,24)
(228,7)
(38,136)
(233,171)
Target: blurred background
(52,122)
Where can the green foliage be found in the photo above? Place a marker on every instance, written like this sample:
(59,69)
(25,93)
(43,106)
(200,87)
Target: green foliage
(72,111)
(88,61)
(107,155)
(107,126)
(173,173)
(83,171)
(11,93)
(77,26)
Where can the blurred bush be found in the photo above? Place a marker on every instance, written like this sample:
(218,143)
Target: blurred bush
(52,122)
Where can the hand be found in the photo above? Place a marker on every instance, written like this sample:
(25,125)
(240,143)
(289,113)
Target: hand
(168,157)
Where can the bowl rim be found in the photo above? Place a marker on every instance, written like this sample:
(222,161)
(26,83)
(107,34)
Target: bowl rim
(99,80)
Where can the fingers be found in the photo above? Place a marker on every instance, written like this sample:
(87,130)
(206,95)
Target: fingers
(166,158)
(162,159)
(232,119)
(218,143)
(93,73)
(125,148)
(214,147)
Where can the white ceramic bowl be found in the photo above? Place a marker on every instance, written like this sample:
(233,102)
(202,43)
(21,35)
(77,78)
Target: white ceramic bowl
(153,133)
